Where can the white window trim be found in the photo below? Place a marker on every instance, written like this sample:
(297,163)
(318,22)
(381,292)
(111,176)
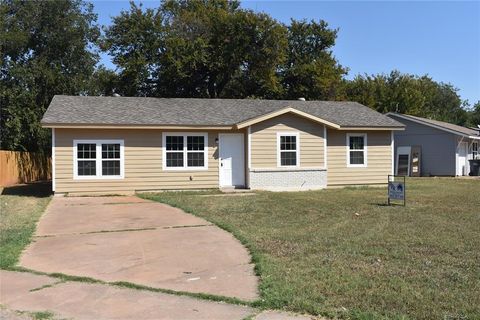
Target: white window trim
(98,160)
(185,135)
(279,160)
(365,150)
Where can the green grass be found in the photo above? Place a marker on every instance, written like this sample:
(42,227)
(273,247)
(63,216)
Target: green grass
(314,254)
(42,315)
(20,209)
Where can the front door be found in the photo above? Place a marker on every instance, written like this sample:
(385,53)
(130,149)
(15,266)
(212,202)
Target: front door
(462,159)
(232,160)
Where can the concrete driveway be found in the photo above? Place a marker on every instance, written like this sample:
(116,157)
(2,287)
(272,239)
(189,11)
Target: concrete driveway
(143,242)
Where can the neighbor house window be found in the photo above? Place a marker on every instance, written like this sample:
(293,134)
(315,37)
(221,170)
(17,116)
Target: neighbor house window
(288,149)
(185,151)
(98,159)
(356,150)
(475,150)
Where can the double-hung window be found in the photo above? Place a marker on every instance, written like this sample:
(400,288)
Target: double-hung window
(185,151)
(288,149)
(356,150)
(475,150)
(98,159)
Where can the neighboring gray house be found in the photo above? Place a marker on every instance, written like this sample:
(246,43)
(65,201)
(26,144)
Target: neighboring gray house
(433,148)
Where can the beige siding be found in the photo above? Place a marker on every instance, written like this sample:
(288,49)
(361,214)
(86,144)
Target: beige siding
(264,141)
(143,163)
(379,159)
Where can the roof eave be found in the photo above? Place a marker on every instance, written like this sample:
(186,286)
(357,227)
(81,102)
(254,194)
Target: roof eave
(406,117)
(133,126)
(383,128)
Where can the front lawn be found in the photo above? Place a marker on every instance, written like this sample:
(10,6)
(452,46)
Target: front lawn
(20,209)
(342,252)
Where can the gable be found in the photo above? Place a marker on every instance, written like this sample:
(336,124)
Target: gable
(286,113)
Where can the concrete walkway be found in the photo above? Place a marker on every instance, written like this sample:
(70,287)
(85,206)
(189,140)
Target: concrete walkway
(75,300)
(143,242)
(27,292)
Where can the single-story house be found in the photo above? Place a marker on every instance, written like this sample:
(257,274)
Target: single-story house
(128,144)
(433,148)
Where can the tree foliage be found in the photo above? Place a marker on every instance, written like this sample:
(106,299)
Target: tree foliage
(196,49)
(474,115)
(46,49)
(311,71)
(186,48)
(405,93)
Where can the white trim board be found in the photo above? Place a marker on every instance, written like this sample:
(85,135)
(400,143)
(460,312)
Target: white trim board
(53,160)
(277,113)
(457,156)
(392,145)
(249,141)
(325,146)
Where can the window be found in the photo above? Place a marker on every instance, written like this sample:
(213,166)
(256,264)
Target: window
(86,159)
(475,150)
(288,149)
(185,151)
(110,159)
(95,159)
(356,150)
(403,164)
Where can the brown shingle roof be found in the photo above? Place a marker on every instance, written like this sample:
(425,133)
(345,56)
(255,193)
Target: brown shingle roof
(81,110)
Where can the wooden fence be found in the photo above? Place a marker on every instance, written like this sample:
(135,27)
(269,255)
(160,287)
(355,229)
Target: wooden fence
(23,167)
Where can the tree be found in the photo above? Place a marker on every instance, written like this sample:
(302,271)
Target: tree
(405,93)
(196,48)
(135,41)
(311,71)
(47,49)
(474,115)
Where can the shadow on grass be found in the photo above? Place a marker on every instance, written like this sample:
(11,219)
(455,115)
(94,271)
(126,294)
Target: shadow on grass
(379,204)
(40,189)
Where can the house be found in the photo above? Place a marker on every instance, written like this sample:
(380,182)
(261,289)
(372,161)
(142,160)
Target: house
(433,148)
(128,144)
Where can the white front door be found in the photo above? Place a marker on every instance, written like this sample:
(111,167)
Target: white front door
(462,153)
(232,160)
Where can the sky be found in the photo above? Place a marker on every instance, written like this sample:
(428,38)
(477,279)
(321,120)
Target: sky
(438,38)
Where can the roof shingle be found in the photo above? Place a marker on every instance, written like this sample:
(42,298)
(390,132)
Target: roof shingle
(83,110)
